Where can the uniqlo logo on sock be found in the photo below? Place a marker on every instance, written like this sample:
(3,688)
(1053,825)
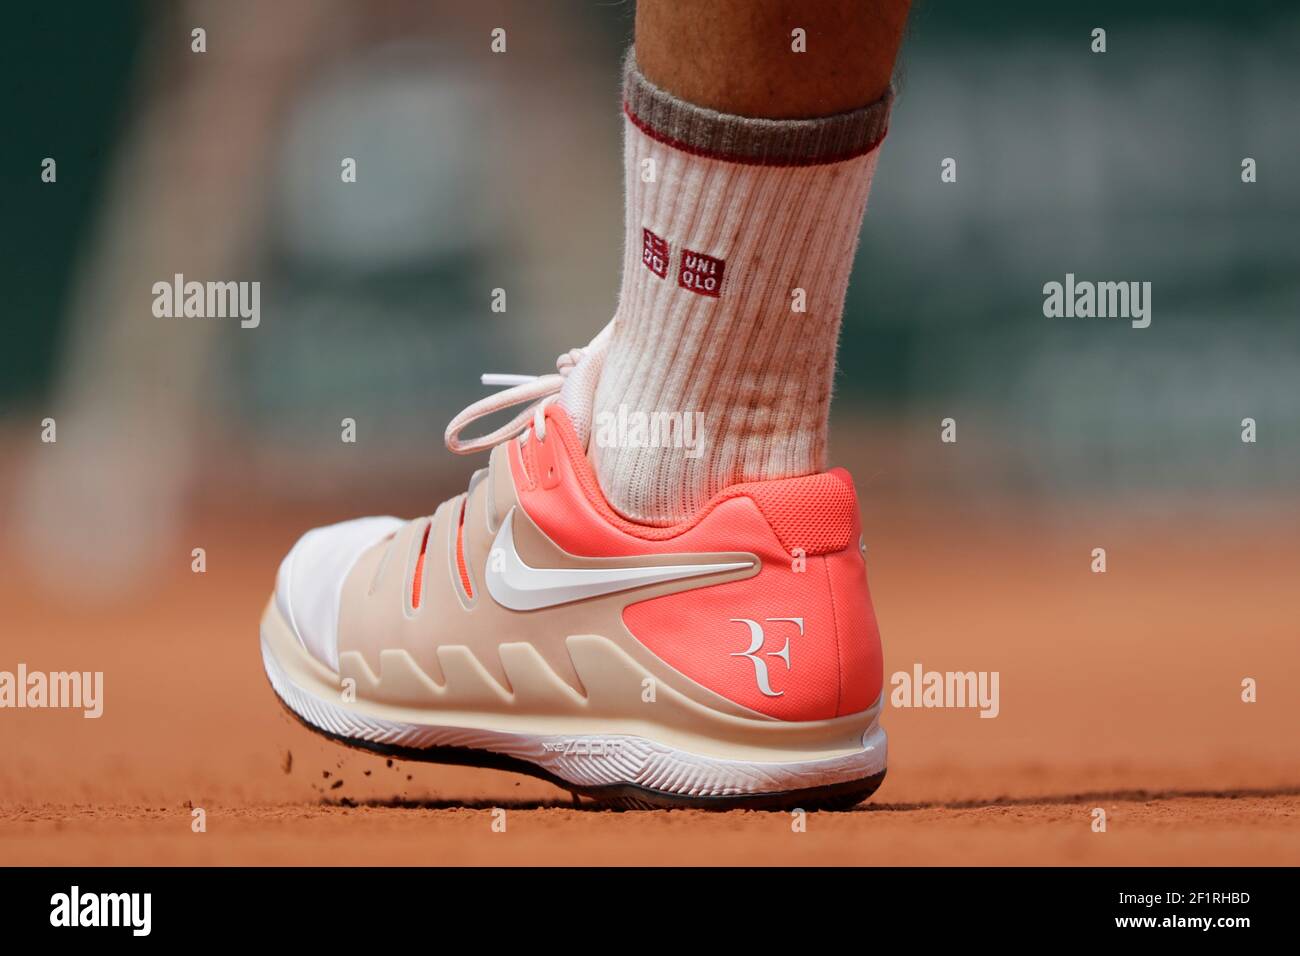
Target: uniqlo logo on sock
(701,273)
(654,253)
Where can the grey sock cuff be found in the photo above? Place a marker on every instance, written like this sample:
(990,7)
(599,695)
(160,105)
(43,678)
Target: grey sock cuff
(743,139)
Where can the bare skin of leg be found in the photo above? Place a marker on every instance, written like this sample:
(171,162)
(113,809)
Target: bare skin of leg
(736,56)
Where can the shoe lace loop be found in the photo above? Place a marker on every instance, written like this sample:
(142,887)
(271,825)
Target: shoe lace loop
(540,390)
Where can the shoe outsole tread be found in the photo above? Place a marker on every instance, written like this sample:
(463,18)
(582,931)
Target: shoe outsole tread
(838,796)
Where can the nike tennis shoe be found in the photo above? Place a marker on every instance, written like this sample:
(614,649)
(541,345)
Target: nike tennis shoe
(730,661)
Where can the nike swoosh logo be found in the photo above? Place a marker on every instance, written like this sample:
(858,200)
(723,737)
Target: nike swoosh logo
(517,586)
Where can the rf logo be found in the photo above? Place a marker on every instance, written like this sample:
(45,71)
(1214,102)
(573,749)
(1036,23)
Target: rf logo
(756,639)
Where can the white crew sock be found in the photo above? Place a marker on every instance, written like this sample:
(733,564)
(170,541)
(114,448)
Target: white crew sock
(733,225)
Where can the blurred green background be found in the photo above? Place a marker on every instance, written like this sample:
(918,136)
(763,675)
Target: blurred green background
(479,171)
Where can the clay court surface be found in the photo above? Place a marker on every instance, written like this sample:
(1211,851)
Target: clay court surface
(1120,691)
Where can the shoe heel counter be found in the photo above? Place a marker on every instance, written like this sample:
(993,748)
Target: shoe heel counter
(824,521)
(857,633)
(798,641)
(818,515)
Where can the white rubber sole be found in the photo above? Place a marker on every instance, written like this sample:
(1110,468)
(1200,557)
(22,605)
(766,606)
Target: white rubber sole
(625,769)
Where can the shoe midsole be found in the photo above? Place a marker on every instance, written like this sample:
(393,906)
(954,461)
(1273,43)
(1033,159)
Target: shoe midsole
(722,754)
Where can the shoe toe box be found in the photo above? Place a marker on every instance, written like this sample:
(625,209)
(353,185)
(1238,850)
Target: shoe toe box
(311,577)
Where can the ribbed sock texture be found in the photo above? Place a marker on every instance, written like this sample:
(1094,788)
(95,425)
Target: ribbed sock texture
(740,220)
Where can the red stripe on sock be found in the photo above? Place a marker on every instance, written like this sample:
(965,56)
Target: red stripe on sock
(667,140)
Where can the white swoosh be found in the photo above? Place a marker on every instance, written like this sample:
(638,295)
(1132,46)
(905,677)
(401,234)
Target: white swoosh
(517,586)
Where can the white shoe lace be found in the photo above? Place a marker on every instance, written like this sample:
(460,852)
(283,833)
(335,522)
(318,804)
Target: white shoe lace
(541,390)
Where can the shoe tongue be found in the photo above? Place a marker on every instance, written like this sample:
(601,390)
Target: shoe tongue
(578,394)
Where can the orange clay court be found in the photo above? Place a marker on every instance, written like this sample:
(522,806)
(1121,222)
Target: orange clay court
(1120,691)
